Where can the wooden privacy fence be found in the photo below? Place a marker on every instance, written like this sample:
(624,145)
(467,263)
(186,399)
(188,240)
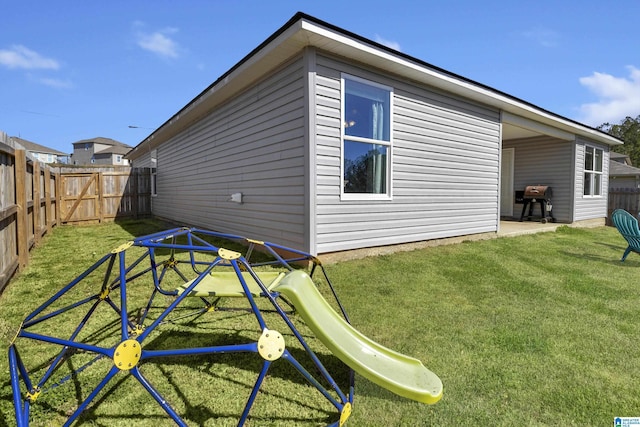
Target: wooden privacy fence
(104,194)
(34,197)
(624,198)
(28,206)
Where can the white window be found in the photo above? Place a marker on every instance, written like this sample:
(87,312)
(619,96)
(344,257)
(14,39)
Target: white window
(366,139)
(593,171)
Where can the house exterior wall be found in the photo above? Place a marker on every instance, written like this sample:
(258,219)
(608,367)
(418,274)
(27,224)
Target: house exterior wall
(590,207)
(445,167)
(254,145)
(545,161)
(82,154)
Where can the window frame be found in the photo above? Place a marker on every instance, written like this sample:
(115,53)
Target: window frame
(592,173)
(388,195)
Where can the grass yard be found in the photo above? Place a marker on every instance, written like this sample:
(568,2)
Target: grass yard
(533,330)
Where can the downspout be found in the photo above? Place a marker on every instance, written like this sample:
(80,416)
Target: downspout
(310,166)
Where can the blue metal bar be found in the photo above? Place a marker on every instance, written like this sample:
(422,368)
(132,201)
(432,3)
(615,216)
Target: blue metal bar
(69,286)
(254,392)
(114,370)
(310,352)
(335,295)
(247,292)
(23,371)
(15,387)
(289,357)
(54,364)
(232,348)
(177,301)
(117,310)
(132,266)
(124,315)
(181,247)
(161,234)
(107,274)
(217,234)
(57,312)
(157,396)
(81,346)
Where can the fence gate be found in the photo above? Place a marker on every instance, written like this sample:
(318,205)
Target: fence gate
(98,196)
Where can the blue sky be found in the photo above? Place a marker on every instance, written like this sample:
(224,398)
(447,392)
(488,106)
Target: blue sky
(72,70)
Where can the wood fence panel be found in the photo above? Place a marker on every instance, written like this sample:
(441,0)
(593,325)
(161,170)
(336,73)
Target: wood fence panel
(34,197)
(624,198)
(8,213)
(104,195)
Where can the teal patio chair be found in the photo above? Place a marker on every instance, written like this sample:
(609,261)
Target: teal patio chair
(627,225)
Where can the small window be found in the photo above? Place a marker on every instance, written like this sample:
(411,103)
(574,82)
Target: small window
(118,159)
(593,171)
(366,149)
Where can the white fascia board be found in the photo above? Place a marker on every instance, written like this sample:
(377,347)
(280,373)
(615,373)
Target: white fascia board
(352,48)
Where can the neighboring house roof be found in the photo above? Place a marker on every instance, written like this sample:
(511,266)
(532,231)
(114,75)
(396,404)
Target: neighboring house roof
(620,158)
(103,141)
(37,148)
(119,149)
(306,31)
(621,169)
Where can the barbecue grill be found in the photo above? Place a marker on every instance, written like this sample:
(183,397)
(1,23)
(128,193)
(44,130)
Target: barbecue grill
(537,194)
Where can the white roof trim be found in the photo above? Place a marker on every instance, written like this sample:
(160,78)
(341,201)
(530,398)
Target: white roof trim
(307,31)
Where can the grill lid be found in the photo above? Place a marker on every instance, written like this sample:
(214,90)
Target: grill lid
(537,192)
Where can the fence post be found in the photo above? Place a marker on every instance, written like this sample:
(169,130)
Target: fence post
(47,199)
(37,202)
(21,201)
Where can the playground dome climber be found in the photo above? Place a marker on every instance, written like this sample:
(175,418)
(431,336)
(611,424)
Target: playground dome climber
(115,317)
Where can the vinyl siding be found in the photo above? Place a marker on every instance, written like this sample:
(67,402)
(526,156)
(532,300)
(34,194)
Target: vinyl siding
(445,169)
(253,145)
(545,161)
(590,207)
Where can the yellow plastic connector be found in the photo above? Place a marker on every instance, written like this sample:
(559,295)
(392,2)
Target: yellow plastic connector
(256,242)
(170,263)
(104,294)
(271,345)
(228,254)
(33,394)
(127,355)
(122,247)
(345,414)
(136,331)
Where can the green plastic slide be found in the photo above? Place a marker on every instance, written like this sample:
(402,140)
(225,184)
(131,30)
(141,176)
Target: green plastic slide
(403,375)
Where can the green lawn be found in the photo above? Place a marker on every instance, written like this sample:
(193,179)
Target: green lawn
(532,330)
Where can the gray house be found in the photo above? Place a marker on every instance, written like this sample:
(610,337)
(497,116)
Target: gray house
(100,151)
(42,153)
(326,141)
(622,175)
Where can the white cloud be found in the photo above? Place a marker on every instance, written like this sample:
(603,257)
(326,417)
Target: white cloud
(56,83)
(158,42)
(619,97)
(19,56)
(543,36)
(388,43)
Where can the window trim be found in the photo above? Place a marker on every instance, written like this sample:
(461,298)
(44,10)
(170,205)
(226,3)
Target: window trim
(593,173)
(389,176)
